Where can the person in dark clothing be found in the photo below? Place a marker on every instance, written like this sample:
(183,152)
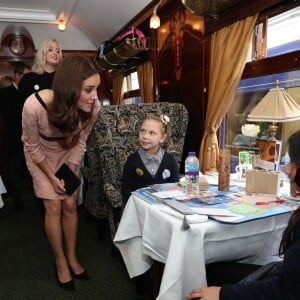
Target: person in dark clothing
(12,106)
(284,285)
(47,57)
(150,164)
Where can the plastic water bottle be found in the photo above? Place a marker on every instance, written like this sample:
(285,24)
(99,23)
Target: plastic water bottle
(286,158)
(191,168)
(284,177)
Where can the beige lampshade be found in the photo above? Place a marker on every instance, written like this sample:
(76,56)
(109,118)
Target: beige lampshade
(276,106)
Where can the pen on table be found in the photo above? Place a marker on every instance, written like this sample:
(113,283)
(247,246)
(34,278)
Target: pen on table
(238,195)
(278,201)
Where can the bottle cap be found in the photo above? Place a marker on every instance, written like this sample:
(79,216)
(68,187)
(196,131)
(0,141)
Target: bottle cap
(192,153)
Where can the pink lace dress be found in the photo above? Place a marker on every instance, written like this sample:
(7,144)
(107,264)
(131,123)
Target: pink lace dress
(43,141)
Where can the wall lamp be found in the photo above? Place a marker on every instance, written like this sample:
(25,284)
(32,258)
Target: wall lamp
(61,25)
(155,21)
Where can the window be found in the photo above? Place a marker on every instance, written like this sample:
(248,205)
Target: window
(273,36)
(276,35)
(131,82)
(250,92)
(131,88)
(283,34)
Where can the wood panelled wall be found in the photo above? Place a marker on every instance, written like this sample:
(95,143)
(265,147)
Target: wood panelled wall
(182,65)
(183,56)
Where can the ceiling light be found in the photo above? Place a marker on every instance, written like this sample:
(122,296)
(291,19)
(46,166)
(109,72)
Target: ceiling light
(61,25)
(155,21)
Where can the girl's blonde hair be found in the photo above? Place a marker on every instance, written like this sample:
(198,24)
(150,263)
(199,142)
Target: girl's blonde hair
(163,119)
(40,58)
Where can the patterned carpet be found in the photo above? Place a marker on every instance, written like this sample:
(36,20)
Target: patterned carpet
(26,262)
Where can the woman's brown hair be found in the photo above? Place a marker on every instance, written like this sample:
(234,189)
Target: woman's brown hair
(67,86)
(294,153)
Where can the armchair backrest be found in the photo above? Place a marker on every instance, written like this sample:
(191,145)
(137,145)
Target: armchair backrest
(115,136)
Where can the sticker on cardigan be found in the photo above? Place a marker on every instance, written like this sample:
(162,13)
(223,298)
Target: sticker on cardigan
(139,171)
(166,174)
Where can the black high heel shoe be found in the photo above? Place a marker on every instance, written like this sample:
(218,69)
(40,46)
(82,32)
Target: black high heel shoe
(81,276)
(67,286)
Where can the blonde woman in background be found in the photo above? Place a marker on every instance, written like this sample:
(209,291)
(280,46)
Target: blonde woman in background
(47,58)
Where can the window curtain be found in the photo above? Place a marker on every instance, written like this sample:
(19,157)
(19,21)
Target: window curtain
(229,49)
(145,77)
(118,89)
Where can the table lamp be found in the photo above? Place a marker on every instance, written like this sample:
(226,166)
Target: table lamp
(276,106)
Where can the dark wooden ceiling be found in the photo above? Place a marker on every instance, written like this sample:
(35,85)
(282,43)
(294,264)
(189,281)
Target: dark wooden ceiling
(206,8)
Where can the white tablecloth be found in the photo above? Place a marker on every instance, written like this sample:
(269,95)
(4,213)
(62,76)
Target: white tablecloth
(146,233)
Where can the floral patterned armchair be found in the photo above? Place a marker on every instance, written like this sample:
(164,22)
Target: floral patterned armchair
(113,138)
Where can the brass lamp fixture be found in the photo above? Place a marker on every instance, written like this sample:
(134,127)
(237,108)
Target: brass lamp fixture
(276,106)
(155,20)
(61,25)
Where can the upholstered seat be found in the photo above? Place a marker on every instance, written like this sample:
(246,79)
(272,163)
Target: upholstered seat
(112,139)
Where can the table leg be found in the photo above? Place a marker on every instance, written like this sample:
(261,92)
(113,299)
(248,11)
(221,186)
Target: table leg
(157,272)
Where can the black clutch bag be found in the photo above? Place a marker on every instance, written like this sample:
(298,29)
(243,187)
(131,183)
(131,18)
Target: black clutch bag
(72,182)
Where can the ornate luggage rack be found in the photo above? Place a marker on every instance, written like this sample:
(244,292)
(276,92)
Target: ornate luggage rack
(124,54)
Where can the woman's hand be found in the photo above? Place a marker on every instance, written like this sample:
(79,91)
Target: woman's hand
(294,189)
(290,169)
(208,293)
(58,186)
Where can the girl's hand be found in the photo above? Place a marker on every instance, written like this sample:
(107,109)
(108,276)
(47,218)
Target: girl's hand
(208,293)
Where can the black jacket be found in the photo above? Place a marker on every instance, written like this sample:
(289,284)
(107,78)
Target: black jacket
(136,175)
(285,286)
(11,110)
(33,82)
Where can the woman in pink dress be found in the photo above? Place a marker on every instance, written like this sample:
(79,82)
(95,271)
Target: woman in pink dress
(56,124)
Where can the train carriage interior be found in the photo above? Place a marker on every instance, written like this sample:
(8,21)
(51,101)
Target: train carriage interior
(219,58)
